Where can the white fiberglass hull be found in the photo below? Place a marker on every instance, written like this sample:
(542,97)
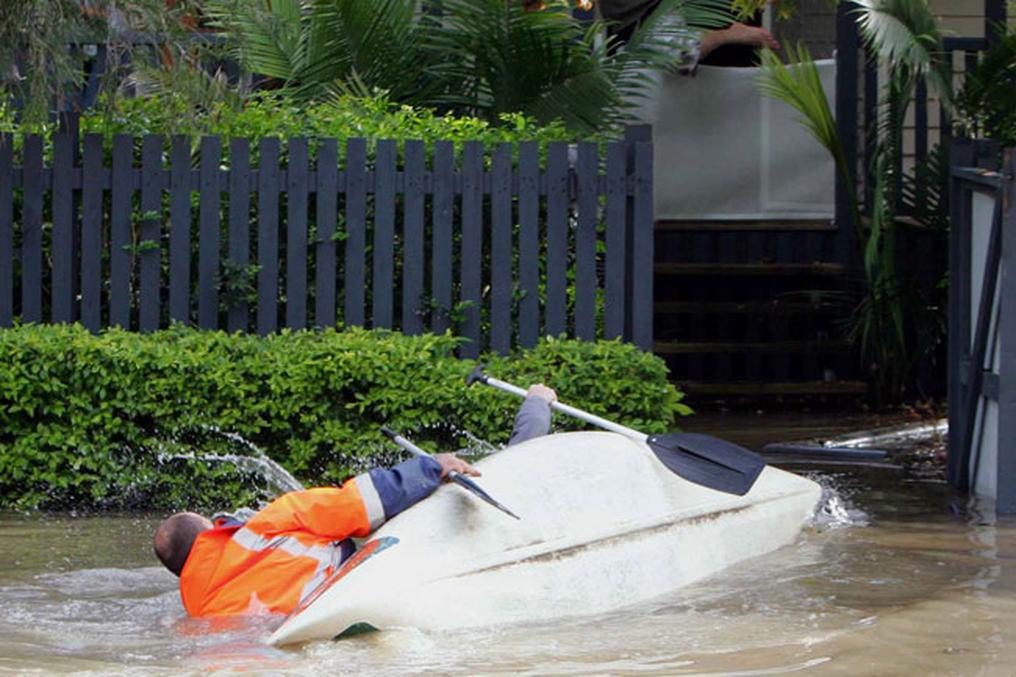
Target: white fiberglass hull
(604,525)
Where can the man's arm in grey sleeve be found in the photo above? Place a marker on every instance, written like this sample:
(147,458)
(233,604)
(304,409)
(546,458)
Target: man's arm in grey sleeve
(533,420)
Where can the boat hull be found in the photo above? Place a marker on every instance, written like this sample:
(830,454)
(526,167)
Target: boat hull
(604,525)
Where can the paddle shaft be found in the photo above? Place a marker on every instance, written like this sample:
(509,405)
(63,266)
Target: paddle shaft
(570,411)
(414,450)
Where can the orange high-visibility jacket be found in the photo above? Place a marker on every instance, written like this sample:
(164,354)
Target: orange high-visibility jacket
(283,552)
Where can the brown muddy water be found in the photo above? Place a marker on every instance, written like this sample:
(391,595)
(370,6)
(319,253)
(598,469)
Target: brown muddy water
(898,576)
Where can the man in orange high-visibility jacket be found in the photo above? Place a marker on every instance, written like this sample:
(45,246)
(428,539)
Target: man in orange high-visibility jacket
(274,560)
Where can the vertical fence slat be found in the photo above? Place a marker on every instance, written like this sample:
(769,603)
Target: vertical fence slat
(6,230)
(921,120)
(268,236)
(150,234)
(529,243)
(556,317)
(356,230)
(239,229)
(382,292)
(121,260)
(1005,469)
(471,255)
(441,241)
(501,249)
(31,230)
(91,233)
(180,229)
(327,210)
(209,245)
(847,90)
(585,243)
(412,237)
(642,249)
(62,245)
(296,235)
(614,268)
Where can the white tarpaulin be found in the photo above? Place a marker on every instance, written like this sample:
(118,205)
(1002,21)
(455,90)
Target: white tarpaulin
(725,151)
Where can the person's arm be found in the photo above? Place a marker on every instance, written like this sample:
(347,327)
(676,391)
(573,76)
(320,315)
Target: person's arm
(533,418)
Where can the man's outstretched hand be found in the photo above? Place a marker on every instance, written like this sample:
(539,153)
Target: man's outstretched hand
(450,462)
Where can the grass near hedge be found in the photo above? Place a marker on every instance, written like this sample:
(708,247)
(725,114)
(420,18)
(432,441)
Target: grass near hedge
(102,421)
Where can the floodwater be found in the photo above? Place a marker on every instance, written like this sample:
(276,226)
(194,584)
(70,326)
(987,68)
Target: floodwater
(898,576)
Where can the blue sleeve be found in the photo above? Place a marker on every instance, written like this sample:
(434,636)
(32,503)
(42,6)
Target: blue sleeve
(533,420)
(405,484)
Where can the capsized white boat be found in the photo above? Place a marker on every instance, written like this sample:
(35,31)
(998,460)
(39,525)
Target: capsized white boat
(603,525)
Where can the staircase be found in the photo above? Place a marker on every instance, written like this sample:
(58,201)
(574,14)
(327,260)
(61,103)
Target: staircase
(749,309)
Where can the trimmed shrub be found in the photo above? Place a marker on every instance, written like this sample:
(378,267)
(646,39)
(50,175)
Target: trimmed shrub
(112,420)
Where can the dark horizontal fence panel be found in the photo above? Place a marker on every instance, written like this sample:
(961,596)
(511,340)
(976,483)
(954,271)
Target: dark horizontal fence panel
(296,235)
(441,245)
(6,230)
(31,230)
(383,291)
(412,236)
(268,236)
(615,265)
(556,314)
(356,231)
(150,234)
(449,271)
(239,232)
(585,242)
(180,229)
(91,233)
(471,254)
(62,245)
(327,212)
(120,257)
(501,250)
(529,243)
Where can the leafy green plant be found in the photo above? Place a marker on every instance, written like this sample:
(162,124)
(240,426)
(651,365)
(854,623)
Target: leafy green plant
(987,102)
(108,421)
(905,36)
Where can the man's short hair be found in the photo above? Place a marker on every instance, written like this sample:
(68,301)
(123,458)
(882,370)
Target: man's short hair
(175,537)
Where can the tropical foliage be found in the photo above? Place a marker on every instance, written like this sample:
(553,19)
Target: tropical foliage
(987,101)
(894,325)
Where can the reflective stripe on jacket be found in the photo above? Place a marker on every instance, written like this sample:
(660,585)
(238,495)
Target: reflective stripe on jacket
(279,556)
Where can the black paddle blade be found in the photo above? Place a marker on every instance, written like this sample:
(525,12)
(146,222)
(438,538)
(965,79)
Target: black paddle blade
(708,460)
(472,486)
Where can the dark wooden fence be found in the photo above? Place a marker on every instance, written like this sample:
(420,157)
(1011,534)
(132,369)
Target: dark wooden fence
(982,324)
(500,247)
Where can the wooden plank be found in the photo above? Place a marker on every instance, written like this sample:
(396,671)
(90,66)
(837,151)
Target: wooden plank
(750,269)
(239,230)
(31,230)
(209,245)
(717,347)
(746,226)
(180,230)
(383,286)
(296,234)
(356,231)
(472,247)
(6,230)
(642,249)
(774,307)
(268,236)
(529,243)
(150,234)
(121,260)
(441,240)
(501,249)
(412,236)
(614,296)
(556,317)
(847,61)
(769,388)
(1005,469)
(91,233)
(62,242)
(585,241)
(325,247)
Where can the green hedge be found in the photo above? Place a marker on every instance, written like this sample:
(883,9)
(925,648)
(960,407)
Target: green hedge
(101,421)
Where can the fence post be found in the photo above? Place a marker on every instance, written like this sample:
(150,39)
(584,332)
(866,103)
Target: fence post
(961,154)
(639,250)
(846,122)
(6,230)
(1005,493)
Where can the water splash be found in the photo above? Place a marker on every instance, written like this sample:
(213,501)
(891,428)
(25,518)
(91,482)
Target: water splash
(835,509)
(278,479)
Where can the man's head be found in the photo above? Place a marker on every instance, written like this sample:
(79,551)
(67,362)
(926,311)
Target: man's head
(175,536)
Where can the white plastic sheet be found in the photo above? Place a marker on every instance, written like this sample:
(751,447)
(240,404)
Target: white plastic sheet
(725,151)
